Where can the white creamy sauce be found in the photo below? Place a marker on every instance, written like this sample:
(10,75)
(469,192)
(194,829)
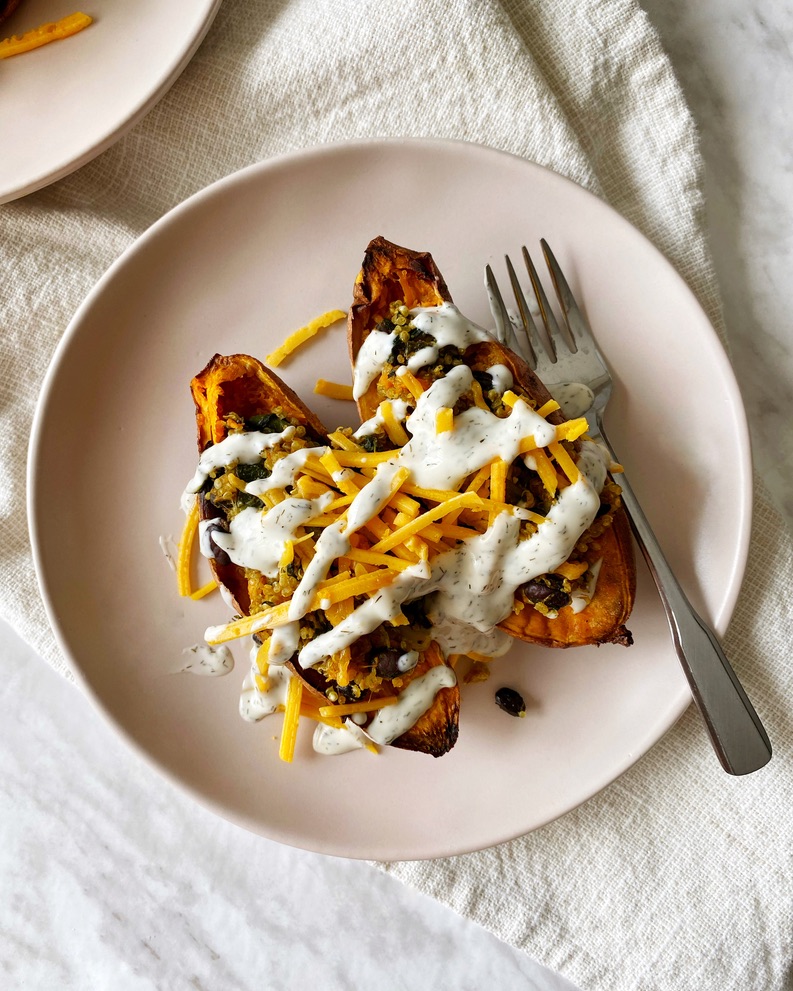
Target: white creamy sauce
(332,543)
(241,448)
(369,362)
(407,661)
(455,637)
(283,644)
(448,326)
(384,605)
(502,378)
(204,531)
(258,539)
(254,704)
(331,740)
(413,702)
(423,357)
(574,398)
(284,471)
(168,547)
(581,597)
(372,497)
(207,660)
(443,460)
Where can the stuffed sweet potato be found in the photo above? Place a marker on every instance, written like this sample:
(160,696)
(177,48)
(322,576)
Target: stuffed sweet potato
(266,505)
(407,342)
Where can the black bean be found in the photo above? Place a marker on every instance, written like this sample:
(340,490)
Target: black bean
(511,701)
(386,663)
(546,590)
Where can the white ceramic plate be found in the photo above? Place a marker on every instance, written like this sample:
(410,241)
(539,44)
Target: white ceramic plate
(235,269)
(66,102)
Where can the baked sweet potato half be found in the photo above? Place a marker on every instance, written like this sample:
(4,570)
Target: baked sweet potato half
(267,440)
(401,297)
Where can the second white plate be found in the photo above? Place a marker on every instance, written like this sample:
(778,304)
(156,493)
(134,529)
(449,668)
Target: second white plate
(68,101)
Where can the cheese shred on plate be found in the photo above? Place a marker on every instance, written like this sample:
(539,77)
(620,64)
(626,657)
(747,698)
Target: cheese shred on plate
(44,34)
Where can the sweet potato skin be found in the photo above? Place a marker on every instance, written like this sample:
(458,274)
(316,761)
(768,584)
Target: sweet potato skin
(243,385)
(391,272)
(7,9)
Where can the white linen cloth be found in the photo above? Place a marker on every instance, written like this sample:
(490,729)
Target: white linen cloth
(676,876)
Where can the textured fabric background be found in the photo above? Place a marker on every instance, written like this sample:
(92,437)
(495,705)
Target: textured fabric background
(676,876)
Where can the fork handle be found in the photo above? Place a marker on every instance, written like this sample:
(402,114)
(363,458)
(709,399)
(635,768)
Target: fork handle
(735,730)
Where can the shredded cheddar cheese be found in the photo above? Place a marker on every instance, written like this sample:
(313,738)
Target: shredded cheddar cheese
(204,590)
(564,461)
(44,34)
(550,407)
(184,553)
(333,390)
(299,337)
(294,696)
(349,708)
(444,420)
(411,383)
(394,429)
(572,570)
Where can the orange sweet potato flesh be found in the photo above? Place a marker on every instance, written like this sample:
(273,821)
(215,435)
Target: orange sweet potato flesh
(390,273)
(242,385)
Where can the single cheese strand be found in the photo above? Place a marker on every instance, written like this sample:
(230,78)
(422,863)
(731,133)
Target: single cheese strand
(550,407)
(288,555)
(509,399)
(44,34)
(311,713)
(204,590)
(349,708)
(394,429)
(184,552)
(333,390)
(362,459)
(410,382)
(444,420)
(498,480)
(564,461)
(572,429)
(294,696)
(479,399)
(299,337)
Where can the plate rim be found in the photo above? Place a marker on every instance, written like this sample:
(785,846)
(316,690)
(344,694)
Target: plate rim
(279,834)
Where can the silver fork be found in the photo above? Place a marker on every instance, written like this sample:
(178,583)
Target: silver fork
(734,727)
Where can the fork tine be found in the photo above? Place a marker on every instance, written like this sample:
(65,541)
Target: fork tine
(552,327)
(529,326)
(505,332)
(574,318)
